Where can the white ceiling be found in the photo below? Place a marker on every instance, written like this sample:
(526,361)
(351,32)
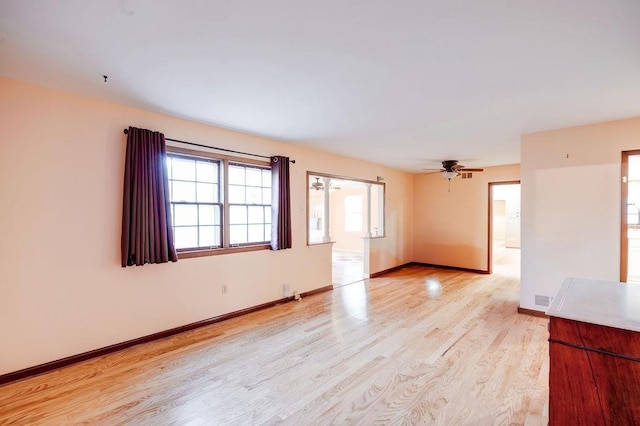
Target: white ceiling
(405,83)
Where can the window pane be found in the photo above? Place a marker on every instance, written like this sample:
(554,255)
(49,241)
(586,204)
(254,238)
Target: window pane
(267,233)
(266,196)
(236,194)
(256,214)
(209,236)
(237,214)
(267,214)
(254,195)
(183,169)
(216,193)
(186,237)
(254,177)
(256,233)
(353,213)
(185,214)
(183,191)
(209,215)
(206,192)
(266,178)
(236,175)
(168,162)
(207,172)
(353,223)
(238,234)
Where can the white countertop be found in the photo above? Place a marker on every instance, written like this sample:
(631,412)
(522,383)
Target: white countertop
(607,303)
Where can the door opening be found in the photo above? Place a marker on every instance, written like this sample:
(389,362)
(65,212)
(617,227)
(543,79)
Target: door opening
(504,228)
(347,227)
(630,218)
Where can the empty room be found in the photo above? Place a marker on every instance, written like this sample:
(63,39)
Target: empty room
(310,213)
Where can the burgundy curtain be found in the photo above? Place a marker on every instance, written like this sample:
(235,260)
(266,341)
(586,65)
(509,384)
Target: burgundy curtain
(280,204)
(146,219)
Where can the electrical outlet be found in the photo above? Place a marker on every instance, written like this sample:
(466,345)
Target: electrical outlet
(224,289)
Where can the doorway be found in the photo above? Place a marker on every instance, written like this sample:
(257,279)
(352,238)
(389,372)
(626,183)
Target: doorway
(347,228)
(504,228)
(630,218)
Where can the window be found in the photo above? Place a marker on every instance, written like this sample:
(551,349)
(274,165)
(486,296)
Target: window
(208,214)
(353,213)
(249,204)
(194,190)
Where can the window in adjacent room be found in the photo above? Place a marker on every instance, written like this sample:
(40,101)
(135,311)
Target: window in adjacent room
(353,213)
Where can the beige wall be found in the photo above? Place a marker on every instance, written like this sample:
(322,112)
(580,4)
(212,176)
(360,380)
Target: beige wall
(344,240)
(571,205)
(450,222)
(63,290)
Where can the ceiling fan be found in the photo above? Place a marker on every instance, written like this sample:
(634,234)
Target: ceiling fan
(318,186)
(451,169)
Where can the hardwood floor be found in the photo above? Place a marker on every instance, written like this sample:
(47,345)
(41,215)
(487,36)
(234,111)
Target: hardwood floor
(347,267)
(417,346)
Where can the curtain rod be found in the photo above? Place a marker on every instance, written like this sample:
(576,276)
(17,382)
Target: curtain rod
(126,131)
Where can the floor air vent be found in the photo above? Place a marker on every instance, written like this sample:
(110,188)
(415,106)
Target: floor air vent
(542,300)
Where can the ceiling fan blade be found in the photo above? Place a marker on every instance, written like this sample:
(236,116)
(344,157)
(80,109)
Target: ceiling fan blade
(470,170)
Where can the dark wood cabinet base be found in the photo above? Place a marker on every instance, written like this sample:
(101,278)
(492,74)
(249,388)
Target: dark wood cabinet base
(594,374)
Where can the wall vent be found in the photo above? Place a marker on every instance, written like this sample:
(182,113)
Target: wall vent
(466,175)
(542,300)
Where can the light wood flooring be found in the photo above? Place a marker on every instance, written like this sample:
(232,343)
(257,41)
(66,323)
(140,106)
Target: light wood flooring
(506,260)
(347,267)
(417,346)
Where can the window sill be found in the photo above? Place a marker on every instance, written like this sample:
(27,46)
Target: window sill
(320,244)
(219,251)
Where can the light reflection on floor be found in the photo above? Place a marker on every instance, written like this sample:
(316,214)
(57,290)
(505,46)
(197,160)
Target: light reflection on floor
(433,286)
(353,303)
(347,267)
(506,261)
(354,299)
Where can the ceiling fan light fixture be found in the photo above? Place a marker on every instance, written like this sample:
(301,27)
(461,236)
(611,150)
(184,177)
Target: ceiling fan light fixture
(317,185)
(449,175)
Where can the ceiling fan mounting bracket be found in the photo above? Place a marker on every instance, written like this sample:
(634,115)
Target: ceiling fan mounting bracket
(449,165)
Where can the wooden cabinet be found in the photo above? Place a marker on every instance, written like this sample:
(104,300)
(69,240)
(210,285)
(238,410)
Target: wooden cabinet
(594,349)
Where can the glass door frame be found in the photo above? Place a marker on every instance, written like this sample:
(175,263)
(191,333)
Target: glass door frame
(624,218)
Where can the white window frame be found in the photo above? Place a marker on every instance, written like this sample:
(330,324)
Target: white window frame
(224,162)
